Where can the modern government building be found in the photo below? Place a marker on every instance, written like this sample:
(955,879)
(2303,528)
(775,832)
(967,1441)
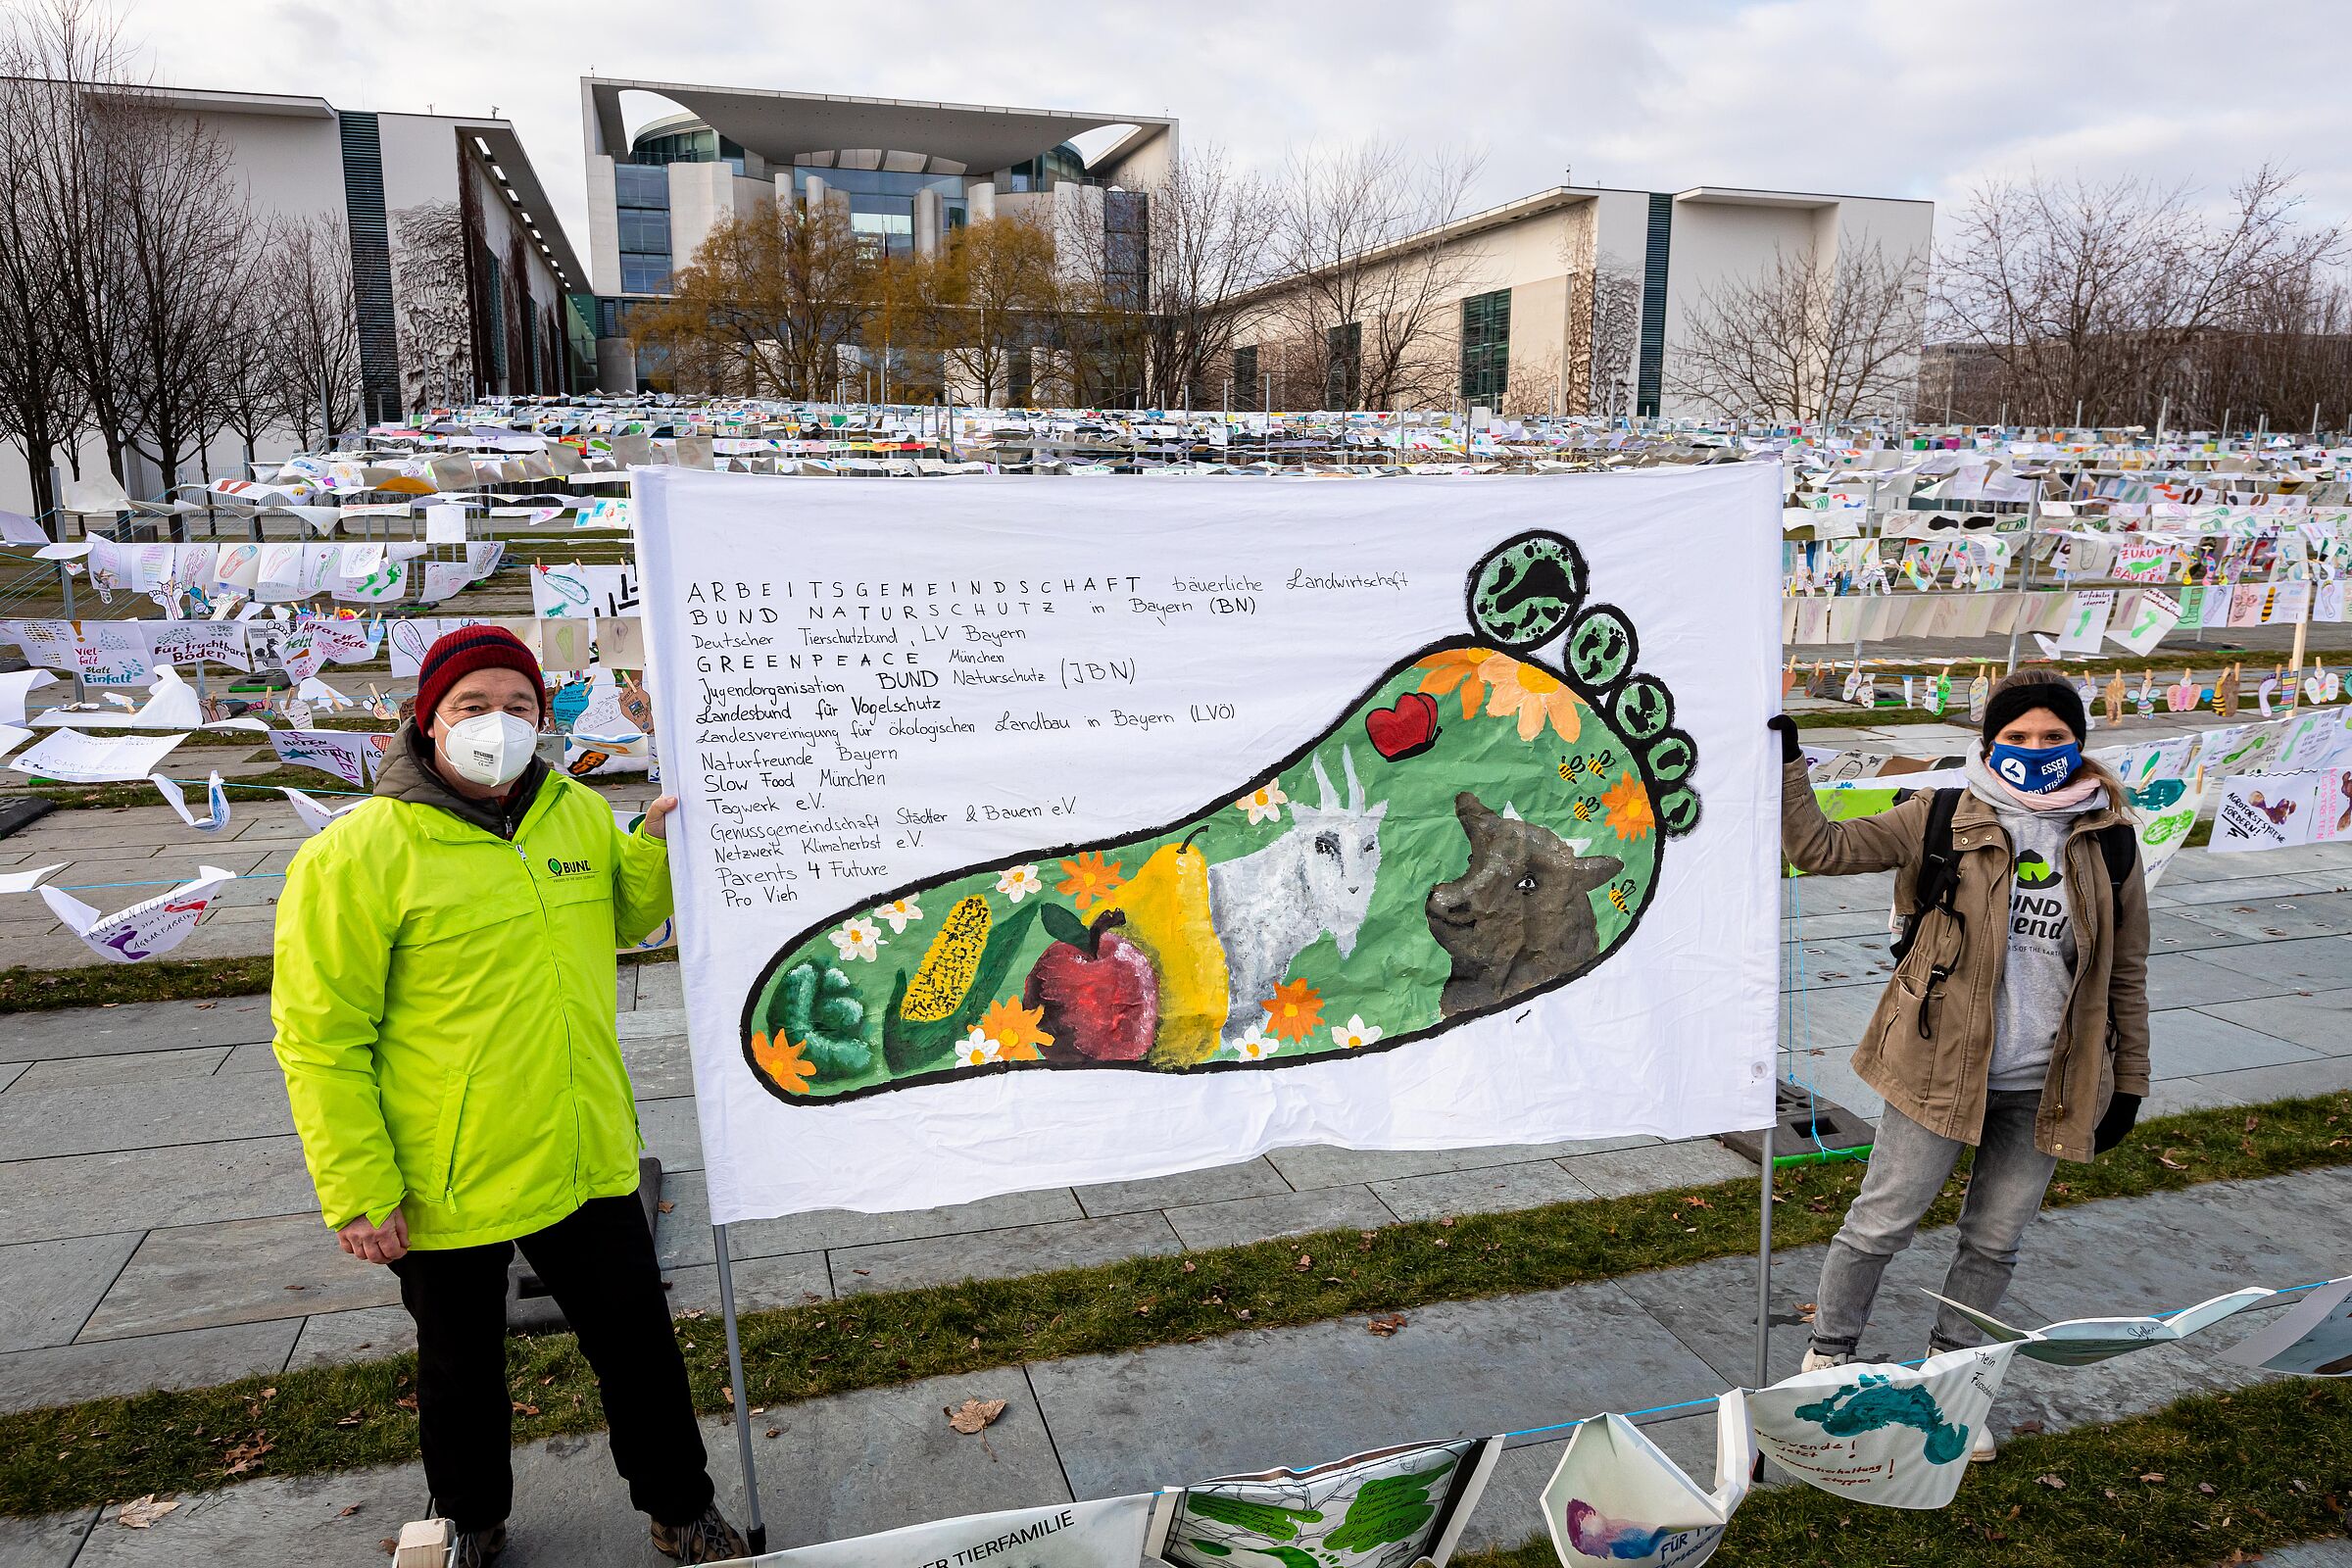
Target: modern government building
(465,283)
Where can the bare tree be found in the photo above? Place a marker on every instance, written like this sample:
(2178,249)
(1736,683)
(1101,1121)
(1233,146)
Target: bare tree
(2093,294)
(312,331)
(43,408)
(1368,278)
(1808,337)
(766,306)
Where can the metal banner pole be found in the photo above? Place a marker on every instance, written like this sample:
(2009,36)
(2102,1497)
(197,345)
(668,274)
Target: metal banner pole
(2024,576)
(755,1532)
(1763,1265)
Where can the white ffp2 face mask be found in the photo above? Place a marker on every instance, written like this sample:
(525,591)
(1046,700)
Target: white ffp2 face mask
(490,748)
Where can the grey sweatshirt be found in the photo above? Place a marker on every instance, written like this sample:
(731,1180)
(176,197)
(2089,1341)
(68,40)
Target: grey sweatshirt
(2037,975)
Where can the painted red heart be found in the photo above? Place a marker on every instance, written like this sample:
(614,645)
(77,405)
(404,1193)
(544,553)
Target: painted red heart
(1405,730)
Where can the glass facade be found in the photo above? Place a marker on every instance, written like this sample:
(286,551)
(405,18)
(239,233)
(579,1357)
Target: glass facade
(881,202)
(1486,347)
(1060,165)
(695,145)
(641,200)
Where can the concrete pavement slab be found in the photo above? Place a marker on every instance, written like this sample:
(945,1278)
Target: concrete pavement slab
(2171,930)
(2169,1097)
(1622,1172)
(2270,919)
(132,1026)
(65,1374)
(1320,1166)
(660,985)
(2312,963)
(2294,1080)
(137,1189)
(49,1289)
(671,1132)
(793,1280)
(1301,1396)
(11,1071)
(1254,1178)
(642,1022)
(2320,1022)
(1829,1018)
(1000,1254)
(361,1334)
(2185,1042)
(236,1271)
(92,1118)
(132,1066)
(2186,980)
(659,1069)
(683,1235)
(1255,1219)
(267,1524)
(1488,1191)
(2262,886)
(1844,923)
(254,1055)
(45,1542)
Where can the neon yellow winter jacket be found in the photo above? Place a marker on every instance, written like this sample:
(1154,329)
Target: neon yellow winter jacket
(444,1012)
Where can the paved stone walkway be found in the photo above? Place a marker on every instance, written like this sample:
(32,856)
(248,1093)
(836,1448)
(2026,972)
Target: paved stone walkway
(157,1227)
(1100,1426)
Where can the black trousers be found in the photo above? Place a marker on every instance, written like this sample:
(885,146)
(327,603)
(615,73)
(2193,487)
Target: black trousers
(599,1262)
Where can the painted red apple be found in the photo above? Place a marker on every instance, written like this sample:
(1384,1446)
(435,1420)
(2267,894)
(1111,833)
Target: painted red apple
(1407,729)
(1099,990)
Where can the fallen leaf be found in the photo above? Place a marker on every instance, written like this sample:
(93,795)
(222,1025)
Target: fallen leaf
(524,1409)
(2207,1488)
(775,1432)
(143,1513)
(389,1544)
(1305,1263)
(1189,1265)
(1385,1324)
(2026,1426)
(973,1415)
(247,1455)
(2153,1478)
(2051,1481)
(406,1402)
(345,1513)
(729,1394)
(665,1205)
(692,1313)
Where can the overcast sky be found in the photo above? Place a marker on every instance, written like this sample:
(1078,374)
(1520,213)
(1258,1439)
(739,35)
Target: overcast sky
(1901,98)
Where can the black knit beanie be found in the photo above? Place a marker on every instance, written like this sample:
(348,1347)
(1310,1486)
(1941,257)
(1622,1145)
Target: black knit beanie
(2022,694)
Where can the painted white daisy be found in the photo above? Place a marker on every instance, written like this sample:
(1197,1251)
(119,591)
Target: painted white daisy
(1263,802)
(1255,1046)
(1019,881)
(977,1050)
(857,937)
(899,913)
(1354,1034)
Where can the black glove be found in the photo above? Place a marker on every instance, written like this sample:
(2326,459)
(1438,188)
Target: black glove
(2122,1113)
(1785,727)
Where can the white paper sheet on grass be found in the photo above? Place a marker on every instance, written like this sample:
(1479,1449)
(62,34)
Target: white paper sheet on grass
(1104,1533)
(1894,1435)
(1671,1035)
(1617,1498)
(74,758)
(143,930)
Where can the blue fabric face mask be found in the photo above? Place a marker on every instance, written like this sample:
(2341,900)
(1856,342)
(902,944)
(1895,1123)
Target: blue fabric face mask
(2036,769)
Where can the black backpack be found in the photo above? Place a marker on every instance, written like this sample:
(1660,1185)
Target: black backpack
(1938,880)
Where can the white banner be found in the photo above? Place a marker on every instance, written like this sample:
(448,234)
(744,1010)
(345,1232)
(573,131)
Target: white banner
(2277,810)
(1058,831)
(1105,1534)
(1617,1498)
(145,929)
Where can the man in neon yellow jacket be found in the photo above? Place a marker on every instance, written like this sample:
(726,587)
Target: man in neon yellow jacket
(444,1017)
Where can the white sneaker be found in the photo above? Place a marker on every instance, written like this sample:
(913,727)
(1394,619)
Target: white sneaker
(1983,1450)
(1818,1360)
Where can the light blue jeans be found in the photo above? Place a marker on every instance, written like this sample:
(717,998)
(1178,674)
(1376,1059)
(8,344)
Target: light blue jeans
(1908,1167)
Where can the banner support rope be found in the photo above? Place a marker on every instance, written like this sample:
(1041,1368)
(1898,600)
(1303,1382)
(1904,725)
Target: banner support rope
(755,1532)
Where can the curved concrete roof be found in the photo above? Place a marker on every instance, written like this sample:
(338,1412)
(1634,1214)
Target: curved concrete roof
(781,125)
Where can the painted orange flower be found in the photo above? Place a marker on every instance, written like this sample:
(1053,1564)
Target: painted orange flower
(1015,1029)
(1533,693)
(1294,1011)
(1628,806)
(1091,881)
(1456,667)
(783,1062)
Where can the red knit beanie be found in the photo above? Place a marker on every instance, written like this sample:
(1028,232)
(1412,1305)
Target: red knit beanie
(461,653)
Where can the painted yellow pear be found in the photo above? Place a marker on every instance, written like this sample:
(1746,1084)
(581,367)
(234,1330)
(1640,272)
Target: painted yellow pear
(1166,905)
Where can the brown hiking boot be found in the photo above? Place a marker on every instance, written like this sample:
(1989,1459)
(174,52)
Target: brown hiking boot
(709,1539)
